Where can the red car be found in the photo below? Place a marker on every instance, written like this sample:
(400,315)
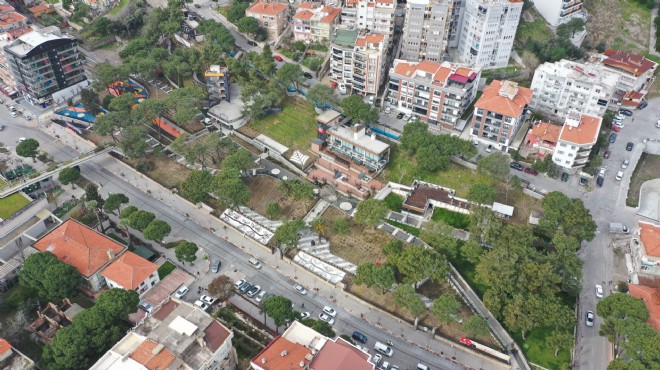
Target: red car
(530,171)
(278,58)
(616,128)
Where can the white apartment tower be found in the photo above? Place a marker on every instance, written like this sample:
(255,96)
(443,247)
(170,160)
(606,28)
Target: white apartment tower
(557,12)
(373,15)
(429,28)
(488,29)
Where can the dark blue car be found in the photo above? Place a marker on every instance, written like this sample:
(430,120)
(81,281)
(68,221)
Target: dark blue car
(359,337)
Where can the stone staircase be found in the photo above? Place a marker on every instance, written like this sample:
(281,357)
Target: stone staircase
(261,220)
(309,243)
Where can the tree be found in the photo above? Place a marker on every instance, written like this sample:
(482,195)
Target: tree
(279,309)
(476,326)
(439,236)
(482,193)
(102,26)
(485,225)
(273,211)
(240,160)
(110,123)
(51,278)
(364,274)
(417,263)
(445,308)
(221,287)
(384,277)
(92,193)
(370,212)
(321,94)
(393,248)
(297,189)
(291,73)
(197,185)
(523,314)
(186,251)
(319,226)
(471,251)
(141,219)
(68,176)
(118,303)
(133,143)
(559,339)
(90,100)
(248,24)
(320,327)
(157,230)
(622,306)
(415,136)
(28,148)
(430,159)
(342,226)
(122,104)
(230,189)
(354,107)
(560,211)
(114,201)
(404,296)
(127,212)
(288,235)
(495,165)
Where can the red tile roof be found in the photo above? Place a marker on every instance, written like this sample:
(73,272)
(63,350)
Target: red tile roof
(373,38)
(270,358)
(215,335)
(79,246)
(144,354)
(4,346)
(10,18)
(261,7)
(39,8)
(651,298)
(333,13)
(129,270)
(339,356)
(650,236)
(546,131)
(492,101)
(585,133)
(632,63)
(303,15)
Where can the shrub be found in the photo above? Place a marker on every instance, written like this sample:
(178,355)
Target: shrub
(144,166)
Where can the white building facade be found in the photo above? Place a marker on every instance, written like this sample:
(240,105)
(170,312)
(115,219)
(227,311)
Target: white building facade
(557,12)
(358,60)
(576,139)
(374,15)
(428,28)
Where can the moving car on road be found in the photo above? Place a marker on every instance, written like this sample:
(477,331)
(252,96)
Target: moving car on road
(330,311)
(300,289)
(607,154)
(599,291)
(359,337)
(590,318)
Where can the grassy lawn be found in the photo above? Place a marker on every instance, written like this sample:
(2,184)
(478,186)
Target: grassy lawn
(401,169)
(394,202)
(538,352)
(165,269)
(407,228)
(165,171)
(536,30)
(451,218)
(294,127)
(119,7)
(502,73)
(12,204)
(648,168)
(2,183)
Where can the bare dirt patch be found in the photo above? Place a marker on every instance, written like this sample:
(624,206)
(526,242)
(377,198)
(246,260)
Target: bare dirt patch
(523,204)
(621,24)
(264,192)
(166,171)
(362,244)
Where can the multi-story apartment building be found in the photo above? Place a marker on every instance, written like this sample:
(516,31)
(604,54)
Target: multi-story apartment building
(271,16)
(429,27)
(566,86)
(217,83)
(635,72)
(577,137)
(499,113)
(358,59)
(488,28)
(43,62)
(557,12)
(12,26)
(374,15)
(436,93)
(314,23)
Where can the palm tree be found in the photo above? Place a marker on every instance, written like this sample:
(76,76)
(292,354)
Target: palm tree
(124,225)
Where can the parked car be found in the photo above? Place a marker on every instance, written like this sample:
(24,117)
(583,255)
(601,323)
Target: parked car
(607,154)
(308,75)
(489,148)
(619,175)
(619,116)
(359,337)
(516,166)
(207,299)
(530,171)
(629,146)
(625,163)
(612,138)
(278,58)
(564,177)
(253,291)
(599,291)
(215,265)
(616,128)
(330,311)
(626,112)
(602,171)
(643,105)
(406,117)
(197,6)
(251,43)
(377,358)
(300,289)
(260,296)
(146,306)
(599,181)
(238,284)
(245,287)
(326,318)
(400,115)
(304,315)
(342,88)
(590,318)
(203,305)
(181,292)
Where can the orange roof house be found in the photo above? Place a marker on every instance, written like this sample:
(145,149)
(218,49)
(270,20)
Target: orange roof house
(340,355)
(5,347)
(131,272)
(634,64)
(505,98)
(271,357)
(580,129)
(41,9)
(651,298)
(650,237)
(152,358)
(81,247)
(262,7)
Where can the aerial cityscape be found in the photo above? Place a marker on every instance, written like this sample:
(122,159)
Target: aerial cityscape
(329,184)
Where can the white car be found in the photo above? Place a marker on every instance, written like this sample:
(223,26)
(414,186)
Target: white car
(253,291)
(203,305)
(207,299)
(619,175)
(181,292)
(330,311)
(590,318)
(599,291)
(602,171)
(342,89)
(260,296)
(304,315)
(625,163)
(300,289)
(326,318)
(239,283)
(377,357)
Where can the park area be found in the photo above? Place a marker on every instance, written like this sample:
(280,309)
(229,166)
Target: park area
(294,126)
(265,191)
(648,168)
(12,204)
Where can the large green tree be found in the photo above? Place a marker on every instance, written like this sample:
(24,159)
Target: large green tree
(110,123)
(230,188)
(405,296)
(197,185)
(133,142)
(141,219)
(157,230)
(114,201)
(417,263)
(496,165)
(354,107)
(279,309)
(370,212)
(321,94)
(291,74)
(297,189)
(476,326)
(49,277)
(186,251)
(288,235)
(569,215)
(321,327)
(482,193)
(439,236)
(68,176)
(240,160)
(446,307)
(28,148)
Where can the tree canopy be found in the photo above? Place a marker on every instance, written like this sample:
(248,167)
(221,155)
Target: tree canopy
(141,219)
(221,287)
(288,234)
(496,165)
(354,107)
(228,186)
(69,175)
(51,278)
(114,201)
(482,193)
(157,230)
(197,185)
(28,148)
(569,215)
(446,307)
(370,212)
(279,309)
(186,251)
(321,327)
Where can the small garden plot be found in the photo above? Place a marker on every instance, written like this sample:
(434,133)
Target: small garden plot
(165,269)
(361,244)
(264,192)
(163,170)
(12,204)
(294,127)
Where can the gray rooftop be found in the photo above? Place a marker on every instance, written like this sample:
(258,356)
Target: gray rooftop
(345,37)
(24,44)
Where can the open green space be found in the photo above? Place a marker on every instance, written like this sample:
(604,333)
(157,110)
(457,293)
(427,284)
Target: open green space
(451,218)
(536,30)
(537,350)
(294,127)
(407,228)
(12,204)
(394,202)
(119,7)
(2,183)
(165,269)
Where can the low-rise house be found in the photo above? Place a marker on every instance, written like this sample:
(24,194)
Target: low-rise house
(425,197)
(577,138)
(271,16)
(52,318)
(651,298)
(645,249)
(41,9)
(177,335)
(83,248)
(313,23)
(436,93)
(543,138)
(13,359)
(131,272)
(499,113)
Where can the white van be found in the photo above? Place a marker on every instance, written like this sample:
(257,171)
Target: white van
(384,349)
(255,263)
(13,114)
